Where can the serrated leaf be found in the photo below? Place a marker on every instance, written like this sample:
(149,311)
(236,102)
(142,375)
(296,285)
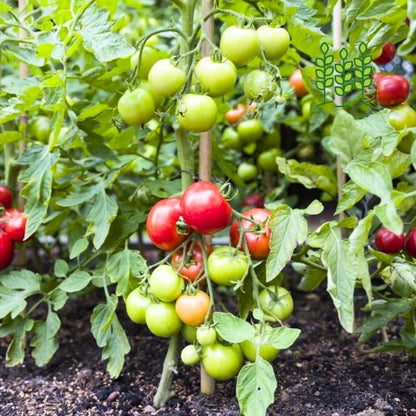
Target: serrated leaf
(44,342)
(101,318)
(289,228)
(16,350)
(282,337)
(98,37)
(256,384)
(76,281)
(232,328)
(38,189)
(101,215)
(11,301)
(78,198)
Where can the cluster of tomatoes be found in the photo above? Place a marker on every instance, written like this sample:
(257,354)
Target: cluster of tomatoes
(12,227)
(388,242)
(178,295)
(215,75)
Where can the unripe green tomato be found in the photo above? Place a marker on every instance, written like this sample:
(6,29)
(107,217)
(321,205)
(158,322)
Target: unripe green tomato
(136,107)
(306,109)
(157,98)
(189,333)
(189,355)
(206,335)
(165,283)
(230,139)
(278,305)
(149,57)
(40,128)
(162,320)
(250,148)
(402,116)
(136,305)
(267,352)
(259,85)
(274,41)
(247,171)
(250,130)
(267,159)
(271,140)
(165,78)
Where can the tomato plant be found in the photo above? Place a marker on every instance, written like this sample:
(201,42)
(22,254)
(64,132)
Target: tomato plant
(276,302)
(256,232)
(261,338)
(389,242)
(161,224)
(204,208)
(193,308)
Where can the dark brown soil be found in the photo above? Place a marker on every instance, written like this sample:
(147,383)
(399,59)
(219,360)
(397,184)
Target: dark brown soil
(324,373)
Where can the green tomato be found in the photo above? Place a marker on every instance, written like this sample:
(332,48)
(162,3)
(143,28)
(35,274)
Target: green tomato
(149,57)
(247,171)
(250,130)
(136,306)
(165,78)
(266,351)
(189,333)
(189,355)
(274,41)
(230,139)
(222,362)
(197,113)
(206,335)
(136,107)
(270,141)
(157,98)
(250,148)
(165,283)
(276,303)
(227,265)
(217,78)
(162,320)
(40,128)
(267,159)
(239,45)
(259,85)
(401,117)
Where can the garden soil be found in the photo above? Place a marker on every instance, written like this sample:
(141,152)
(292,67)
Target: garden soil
(325,373)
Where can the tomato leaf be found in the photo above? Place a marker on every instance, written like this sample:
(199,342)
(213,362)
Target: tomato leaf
(389,216)
(256,384)
(282,337)
(44,342)
(76,281)
(233,329)
(60,268)
(16,350)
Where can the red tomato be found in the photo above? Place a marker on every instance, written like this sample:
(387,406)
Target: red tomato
(388,53)
(410,242)
(190,267)
(234,115)
(6,251)
(392,90)
(161,224)
(296,82)
(389,242)
(192,309)
(253,200)
(6,197)
(257,240)
(204,208)
(14,224)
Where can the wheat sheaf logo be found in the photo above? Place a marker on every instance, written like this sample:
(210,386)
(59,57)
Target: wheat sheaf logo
(345,76)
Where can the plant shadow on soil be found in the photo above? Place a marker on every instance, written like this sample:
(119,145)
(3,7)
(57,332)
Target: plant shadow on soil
(324,373)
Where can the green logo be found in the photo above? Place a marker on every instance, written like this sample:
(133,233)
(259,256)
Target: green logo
(345,75)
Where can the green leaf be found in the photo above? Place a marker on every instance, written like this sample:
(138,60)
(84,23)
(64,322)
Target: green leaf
(289,228)
(16,350)
(76,281)
(351,195)
(311,277)
(403,279)
(256,384)
(232,328)
(92,111)
(388,215)
(44,342)
(60,268)
(11,137)
(78,198)
(306,38)
(78,247)
(282,337)
(98,37)
(38,189)
(101,215)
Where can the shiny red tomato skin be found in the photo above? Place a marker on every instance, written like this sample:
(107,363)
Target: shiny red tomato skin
(257,242)
(388,53)
(6,197)
(205,209)
(6,251)
(253,200)
(411,242)
(389,242)
(392,90)
(161,224)
(15,224)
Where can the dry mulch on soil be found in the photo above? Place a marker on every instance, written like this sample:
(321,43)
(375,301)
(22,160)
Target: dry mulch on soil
(324,373)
